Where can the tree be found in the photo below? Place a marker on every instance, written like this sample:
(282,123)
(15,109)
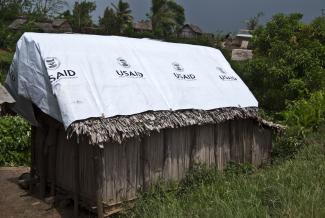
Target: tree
(10,9)
(179,14)
(81,15)
(109,22)
(46,8)
(288,62)
(253,22)
(123,15)
(166,16)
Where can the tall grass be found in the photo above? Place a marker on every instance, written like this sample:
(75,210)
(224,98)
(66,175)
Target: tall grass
(294,188)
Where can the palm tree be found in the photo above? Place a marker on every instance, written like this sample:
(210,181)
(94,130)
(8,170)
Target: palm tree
(123,13)
(166,16)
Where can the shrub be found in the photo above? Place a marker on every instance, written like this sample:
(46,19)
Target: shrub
(5,62)
(307,115)
(288,62)
(14,141)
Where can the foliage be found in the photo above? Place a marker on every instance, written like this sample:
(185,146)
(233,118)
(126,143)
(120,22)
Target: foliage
(253,22)
(15,135)
(5,61)
(289,61)
(166,17)
(294,188)
(10,9)
(306,115)
(179,14)
(46,8)
(123,15)
(81,15)
(109,22)
(118,19)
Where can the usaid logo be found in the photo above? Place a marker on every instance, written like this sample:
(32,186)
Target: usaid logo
(221,70)
(65,74)
(182,76)
(52,63)
(123,63)
(224,76)
(178,67)
(127,73)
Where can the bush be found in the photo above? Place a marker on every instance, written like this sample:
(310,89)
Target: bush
(15,142)
(5,62)
(303,116)
(288,62)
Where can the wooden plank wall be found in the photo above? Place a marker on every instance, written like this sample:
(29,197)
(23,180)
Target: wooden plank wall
(140,162)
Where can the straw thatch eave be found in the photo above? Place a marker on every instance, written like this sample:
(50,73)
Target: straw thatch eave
(98,131)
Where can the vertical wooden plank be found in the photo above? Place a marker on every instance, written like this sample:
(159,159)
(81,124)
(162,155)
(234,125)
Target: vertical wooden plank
(108,154)
(64,162)
(145,164)
(177,153)
(153,158)
(218,146)
(262,145)
(256,159)
(133,161)
(33,167)
(236,145)
(53,140)
(248,140)
(122,177)
(98,166)
(205,145)
(76,180)
(43,163)
(223,142)
(167,171)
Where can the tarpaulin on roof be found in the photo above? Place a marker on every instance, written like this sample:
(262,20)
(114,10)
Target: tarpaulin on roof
(74,77)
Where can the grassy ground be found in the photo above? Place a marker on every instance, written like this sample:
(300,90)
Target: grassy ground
(291,188)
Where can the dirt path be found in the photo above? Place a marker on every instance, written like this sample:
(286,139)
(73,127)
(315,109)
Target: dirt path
(16,203)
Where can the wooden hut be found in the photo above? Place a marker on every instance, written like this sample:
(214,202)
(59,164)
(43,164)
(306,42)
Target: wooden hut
(5,99)
(102,163)
(102,160)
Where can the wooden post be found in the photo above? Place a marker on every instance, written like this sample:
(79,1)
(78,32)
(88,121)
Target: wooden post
(98,170)
(32,167)
(76,181)
(193,146)
(53,145)
(43,163)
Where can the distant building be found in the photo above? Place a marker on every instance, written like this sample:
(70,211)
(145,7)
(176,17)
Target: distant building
(61,25)
(95,30)
(55,26)
(142,26)
(242,38)
(18,23)
(190,31)
(5,99)
(241,54)
(238,45)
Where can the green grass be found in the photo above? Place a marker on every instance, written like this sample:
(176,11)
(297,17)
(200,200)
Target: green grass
(290,188)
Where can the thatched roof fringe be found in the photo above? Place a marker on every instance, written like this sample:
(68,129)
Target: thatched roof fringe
(100,130)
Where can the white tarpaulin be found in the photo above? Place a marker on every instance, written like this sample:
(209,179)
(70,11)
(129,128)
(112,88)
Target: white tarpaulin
(74,77)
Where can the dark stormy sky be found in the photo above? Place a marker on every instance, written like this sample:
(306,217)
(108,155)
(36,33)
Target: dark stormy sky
(224,15)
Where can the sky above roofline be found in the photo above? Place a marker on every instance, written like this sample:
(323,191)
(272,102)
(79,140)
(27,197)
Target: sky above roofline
(223,15)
